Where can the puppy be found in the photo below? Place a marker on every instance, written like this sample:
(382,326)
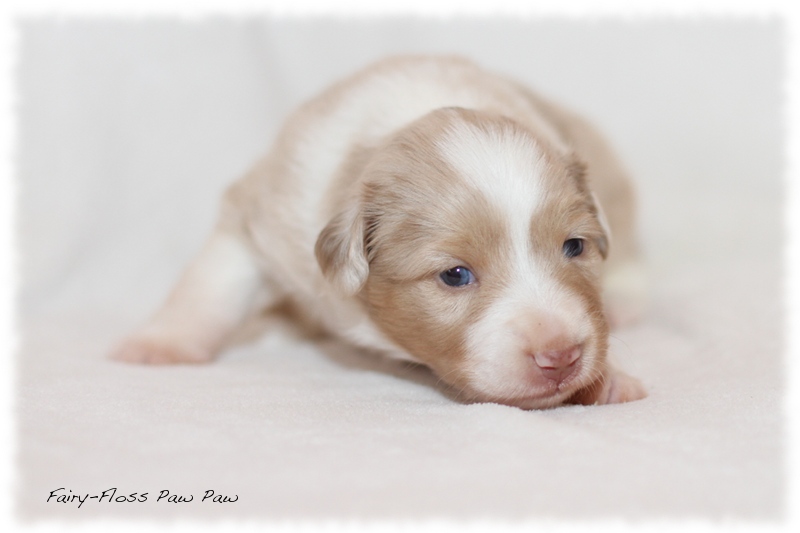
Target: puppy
(437,213)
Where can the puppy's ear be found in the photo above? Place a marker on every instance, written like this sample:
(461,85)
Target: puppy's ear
(578,170)
(603,241)
(341,251)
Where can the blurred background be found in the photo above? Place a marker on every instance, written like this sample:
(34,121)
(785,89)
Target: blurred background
(130,130)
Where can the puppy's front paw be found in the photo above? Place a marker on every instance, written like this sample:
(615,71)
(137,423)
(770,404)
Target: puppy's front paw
(620,388)
(615,387)
(154,351)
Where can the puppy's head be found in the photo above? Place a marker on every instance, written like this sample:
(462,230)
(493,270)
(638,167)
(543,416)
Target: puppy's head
(477,248)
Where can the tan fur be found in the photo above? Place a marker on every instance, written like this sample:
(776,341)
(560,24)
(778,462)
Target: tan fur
(412,244)
(359,251)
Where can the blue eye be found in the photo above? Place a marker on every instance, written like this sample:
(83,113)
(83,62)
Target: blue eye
(457,277)
(573,247)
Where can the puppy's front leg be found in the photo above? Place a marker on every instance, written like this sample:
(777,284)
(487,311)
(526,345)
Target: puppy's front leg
(210,300)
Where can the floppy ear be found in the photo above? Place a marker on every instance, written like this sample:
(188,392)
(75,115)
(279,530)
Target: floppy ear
(577,169)
(604,240)
(341,251)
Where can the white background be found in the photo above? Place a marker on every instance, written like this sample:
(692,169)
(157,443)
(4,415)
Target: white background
(130,129)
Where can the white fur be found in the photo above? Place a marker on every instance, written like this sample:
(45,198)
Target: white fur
(495,356)
(272,218)
(496,351)
(499,352)
(504,166)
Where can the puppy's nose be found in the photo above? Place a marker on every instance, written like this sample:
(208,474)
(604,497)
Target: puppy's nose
(558,364)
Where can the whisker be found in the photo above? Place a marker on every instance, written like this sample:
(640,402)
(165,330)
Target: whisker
(629,353)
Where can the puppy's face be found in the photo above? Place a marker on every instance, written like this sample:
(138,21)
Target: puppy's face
(477,249)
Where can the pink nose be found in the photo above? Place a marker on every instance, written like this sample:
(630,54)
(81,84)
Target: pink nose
(558,364)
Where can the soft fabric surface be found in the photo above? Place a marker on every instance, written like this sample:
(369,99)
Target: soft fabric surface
(128,131)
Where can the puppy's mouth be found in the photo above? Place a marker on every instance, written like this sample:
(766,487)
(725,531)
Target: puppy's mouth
(541,392)
(572,373)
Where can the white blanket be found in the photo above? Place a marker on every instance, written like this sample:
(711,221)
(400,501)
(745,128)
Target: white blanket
(129,130)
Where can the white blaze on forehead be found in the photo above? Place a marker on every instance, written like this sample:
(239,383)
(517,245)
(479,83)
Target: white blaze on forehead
(503,164)
(506,166)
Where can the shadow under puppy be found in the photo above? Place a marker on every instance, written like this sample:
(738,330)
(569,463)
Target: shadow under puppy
(438,213)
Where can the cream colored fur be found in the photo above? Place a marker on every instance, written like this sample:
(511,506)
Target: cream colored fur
(409,168)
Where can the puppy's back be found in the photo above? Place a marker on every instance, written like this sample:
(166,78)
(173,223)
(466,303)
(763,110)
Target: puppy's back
(286,200)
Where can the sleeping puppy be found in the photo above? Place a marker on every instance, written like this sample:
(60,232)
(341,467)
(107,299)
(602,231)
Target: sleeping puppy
(438,213)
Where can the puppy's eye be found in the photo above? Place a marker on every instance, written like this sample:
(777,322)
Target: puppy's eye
(457,277)
(573,247)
